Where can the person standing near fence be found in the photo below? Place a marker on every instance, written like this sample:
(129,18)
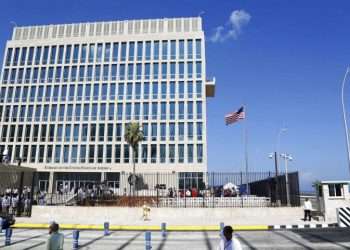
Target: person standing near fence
(228,242)
(56,239)
(307,209)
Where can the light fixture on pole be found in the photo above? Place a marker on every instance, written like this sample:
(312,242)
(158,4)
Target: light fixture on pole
(287,157)
(344,115)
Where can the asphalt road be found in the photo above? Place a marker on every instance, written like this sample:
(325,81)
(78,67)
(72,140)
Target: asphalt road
(292,239)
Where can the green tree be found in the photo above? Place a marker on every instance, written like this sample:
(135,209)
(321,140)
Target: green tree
(133,136)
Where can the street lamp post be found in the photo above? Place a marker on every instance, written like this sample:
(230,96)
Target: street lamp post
(344,115)
(287,157)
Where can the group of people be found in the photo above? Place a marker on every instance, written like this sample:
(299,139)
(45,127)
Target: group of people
(11,202)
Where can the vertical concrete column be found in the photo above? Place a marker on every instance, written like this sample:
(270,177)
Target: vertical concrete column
(51,184)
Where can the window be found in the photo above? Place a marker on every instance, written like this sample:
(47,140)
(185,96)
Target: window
(99,52)
(105,72)
(139,50)
(86,112)
(84,132)
(91,153)
(108,153)
(128,111)
(145,131)
(76,132)
(53,112)
(155,70)
(172,131)
(172,90)
(67,133)
(115,52)
(198,49)
(123,51)
(199,89)
(335,190)
(154,90)
(23,56)
(148,50)
(74,154)
(162,153)
(189,49)
(162,131)
(164,90)
(190,153)
(189,69)
(126,153)
(164,70)
(190,89)
(49,154)
(199,153)
(147,71)
(163,110)
(181,49)
(121,71)
(190,131)
(110,111)
(181,110)
(100,153)
(118,132)
(120,91)
(181,131)
(144,153)
(129,90)
(110,132)
(68,53)
(137,111)
(146,90)
(131,51)
(8,56)
(145,111)
(117,154)
(53,54)
(65,153)
(75,53)
(198,69)
(33,153)
(199,131)
(92,132)
(97,72)
(15,57)
(172,111)
(164,50)
(181,153)
(173,49)
(101,133)
(59,132)
(154,131)
(82,153)
(171,153)
(156,50)
(120,111)
(31,56)
(199,110)
(154,110)
(153,153)
(94,112)
(96,91)
(91,52)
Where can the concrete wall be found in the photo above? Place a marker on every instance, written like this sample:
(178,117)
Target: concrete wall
(173,216)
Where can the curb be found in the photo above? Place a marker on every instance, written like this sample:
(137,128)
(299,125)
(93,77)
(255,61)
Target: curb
(175,228)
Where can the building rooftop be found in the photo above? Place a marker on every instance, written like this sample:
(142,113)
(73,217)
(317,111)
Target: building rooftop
(94,29)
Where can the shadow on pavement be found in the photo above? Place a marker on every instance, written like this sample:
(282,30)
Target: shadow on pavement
(129,241)
(162,243)
(335,236)
(292,240)
(43,242)
(30,238)
(94,240)
(244,241)
(207,241)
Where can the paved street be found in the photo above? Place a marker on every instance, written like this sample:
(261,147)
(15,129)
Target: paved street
(297,239)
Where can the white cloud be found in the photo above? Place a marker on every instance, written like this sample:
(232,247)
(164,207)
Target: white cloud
(238,19)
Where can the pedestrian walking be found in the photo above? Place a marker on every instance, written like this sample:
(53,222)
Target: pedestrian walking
(56,239)
(307,209)
(228,241)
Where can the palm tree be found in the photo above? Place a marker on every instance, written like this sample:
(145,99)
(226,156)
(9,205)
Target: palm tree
(133,136)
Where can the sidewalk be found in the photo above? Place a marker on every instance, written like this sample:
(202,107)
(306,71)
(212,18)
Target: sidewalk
(123,217)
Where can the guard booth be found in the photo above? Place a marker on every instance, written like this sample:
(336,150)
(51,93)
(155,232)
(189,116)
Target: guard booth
(16,185)
(330,196)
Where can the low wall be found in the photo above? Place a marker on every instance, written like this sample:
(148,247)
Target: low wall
(172,216)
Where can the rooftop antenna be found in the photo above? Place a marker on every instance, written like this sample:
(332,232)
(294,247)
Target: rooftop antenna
(13,23)
(201,13)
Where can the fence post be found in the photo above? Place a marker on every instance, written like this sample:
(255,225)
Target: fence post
(148,245)
(106,228)
(157,189)
(222,225)
(8,235)
(163,228)
(75,239)
(1,222)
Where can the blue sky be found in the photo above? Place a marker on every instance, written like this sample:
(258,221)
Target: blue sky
(284,60)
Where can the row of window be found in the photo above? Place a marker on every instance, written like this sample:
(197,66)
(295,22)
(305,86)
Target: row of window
(100,132)
(105,72)
(162,153)
(104,52)
(103,111)
(121,91)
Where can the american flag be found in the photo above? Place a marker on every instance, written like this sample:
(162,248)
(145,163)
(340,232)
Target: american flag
(235,116)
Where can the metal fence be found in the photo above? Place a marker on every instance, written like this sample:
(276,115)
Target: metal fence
(196,189)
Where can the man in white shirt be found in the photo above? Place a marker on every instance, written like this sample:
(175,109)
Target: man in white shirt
(307,209)
(228,242)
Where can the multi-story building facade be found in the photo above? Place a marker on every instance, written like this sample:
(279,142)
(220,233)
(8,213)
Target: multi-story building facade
(68,92)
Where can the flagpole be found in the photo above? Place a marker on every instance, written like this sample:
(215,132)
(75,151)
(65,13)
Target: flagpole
(246,148)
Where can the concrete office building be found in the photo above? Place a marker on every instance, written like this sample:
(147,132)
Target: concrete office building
(68,91)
